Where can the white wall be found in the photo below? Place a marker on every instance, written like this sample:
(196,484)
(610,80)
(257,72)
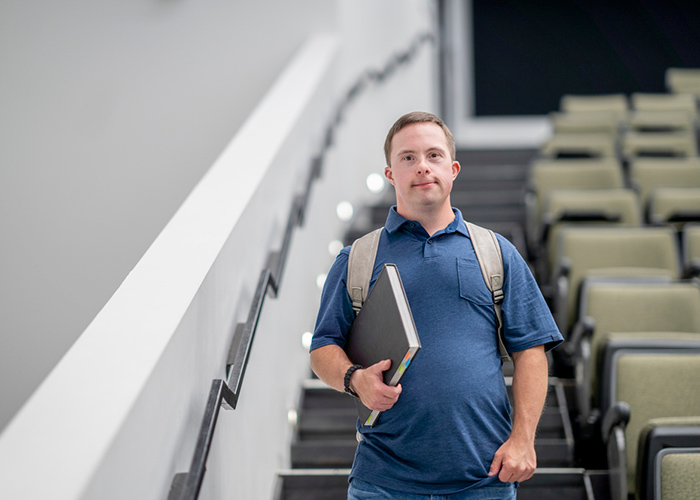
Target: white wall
(127,399)
(110,112)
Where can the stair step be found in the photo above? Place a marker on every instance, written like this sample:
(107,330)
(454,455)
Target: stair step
(325,421)
(326,453)
(477,185)
(313,484)
(495,173)
(572,484)
(342,420)
(488,197)
(320,396)
(488,157)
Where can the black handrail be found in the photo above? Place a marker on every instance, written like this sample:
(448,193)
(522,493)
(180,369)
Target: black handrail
(186,485)
(270,280)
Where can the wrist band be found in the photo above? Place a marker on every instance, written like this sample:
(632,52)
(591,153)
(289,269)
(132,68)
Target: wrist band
(348,374)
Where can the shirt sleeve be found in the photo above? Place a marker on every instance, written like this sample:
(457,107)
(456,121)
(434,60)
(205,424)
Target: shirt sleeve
(528,322)
(335,314)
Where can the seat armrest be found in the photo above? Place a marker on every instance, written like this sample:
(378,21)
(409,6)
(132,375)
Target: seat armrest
(613,430)
(582,330)
(617,416)
(561,290)
(583,369)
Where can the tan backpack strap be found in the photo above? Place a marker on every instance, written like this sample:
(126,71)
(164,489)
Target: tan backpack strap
(363,253)
(488,253)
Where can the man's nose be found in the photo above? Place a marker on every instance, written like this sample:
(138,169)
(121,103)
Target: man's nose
(423,167)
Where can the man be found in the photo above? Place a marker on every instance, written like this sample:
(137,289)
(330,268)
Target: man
(447,429)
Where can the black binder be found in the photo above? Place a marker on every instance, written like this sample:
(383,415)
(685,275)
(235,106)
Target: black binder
(383,329)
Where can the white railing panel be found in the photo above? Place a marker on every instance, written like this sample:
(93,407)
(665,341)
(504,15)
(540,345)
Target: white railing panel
(118,415)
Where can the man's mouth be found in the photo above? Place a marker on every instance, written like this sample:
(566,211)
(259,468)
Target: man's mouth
(424,184)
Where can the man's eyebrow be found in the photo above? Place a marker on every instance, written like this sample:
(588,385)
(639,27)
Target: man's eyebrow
(405,151)
(430,149)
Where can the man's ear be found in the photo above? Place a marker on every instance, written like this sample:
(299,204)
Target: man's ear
(389,175)
(456,167)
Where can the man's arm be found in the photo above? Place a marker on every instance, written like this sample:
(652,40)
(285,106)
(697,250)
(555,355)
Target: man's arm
(331,363)
(516,460)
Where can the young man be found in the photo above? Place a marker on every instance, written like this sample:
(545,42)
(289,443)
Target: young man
(447,429)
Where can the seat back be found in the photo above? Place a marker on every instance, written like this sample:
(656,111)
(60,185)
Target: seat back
(565,207)
(675,143)
(620,306)
(678,474)
(683,80)
(619,205)
(585,122)
(642,311)
(655,385)
(675,205)
(583,252)
(661,121)
(659,437)
(662,101)
(547,175)
(647,174)
(593,145)
(616,104)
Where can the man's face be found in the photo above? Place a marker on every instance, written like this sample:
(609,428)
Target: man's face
(422,170)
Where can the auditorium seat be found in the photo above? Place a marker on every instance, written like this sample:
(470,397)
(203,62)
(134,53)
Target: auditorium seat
(634,313)
(647,174)
(616,104)
(683,80)
(544,176)
(566,207)
(659,477)
(644,386)
(678,473)
(674,205)
(580,145)
(585,122)
(662,101)
(671,144)
(661,121)
(583,252)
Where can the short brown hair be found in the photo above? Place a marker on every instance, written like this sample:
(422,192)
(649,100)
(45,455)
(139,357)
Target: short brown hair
(418,117)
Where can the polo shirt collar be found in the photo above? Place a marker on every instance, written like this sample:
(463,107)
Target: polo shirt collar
(394,222)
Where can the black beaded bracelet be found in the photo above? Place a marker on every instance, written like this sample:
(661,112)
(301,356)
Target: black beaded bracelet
(348,374)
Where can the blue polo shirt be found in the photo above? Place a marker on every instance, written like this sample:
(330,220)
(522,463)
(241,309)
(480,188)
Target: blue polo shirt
(453,413)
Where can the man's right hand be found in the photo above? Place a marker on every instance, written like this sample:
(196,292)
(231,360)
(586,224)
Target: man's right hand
(369,384)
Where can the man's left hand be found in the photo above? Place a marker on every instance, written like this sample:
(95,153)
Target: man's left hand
(514,461)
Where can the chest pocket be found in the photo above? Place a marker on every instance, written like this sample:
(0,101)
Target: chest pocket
(471,283)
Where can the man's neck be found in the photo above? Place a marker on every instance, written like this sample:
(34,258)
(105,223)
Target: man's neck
(431,220)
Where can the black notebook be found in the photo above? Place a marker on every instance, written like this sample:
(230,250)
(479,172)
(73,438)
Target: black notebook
(384,329)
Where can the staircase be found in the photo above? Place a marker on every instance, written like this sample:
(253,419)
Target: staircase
(490,192)
(324,445)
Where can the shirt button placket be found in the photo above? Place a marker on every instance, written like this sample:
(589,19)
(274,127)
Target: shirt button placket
(430,249)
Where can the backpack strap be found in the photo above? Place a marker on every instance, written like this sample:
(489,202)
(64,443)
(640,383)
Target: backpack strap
(363,253)
(488,253)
